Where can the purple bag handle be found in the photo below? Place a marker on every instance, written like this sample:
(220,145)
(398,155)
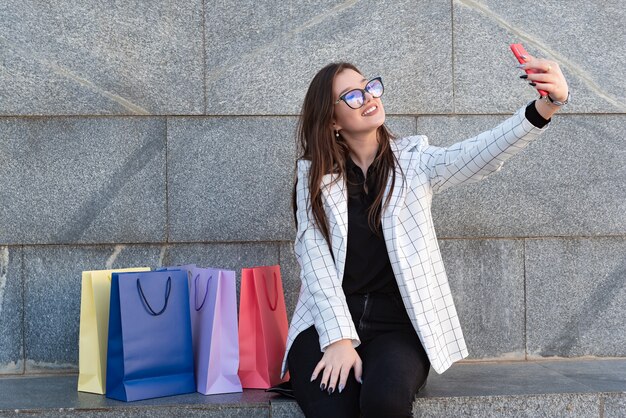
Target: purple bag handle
(275,291)
(168,289)
(206,292)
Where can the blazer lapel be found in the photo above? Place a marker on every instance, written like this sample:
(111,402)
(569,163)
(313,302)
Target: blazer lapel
(336,197)
(398,196)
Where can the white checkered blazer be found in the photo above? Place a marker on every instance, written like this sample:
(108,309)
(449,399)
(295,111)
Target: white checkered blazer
(410,238)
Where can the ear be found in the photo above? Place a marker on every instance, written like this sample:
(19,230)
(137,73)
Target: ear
(334,125)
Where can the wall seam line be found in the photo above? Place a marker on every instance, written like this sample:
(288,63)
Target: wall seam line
(525,299)
(286,240)
(452,56)
(204,110)
(23,284)
(167,204)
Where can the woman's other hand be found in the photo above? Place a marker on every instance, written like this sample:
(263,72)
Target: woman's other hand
(336,363)
(548,78)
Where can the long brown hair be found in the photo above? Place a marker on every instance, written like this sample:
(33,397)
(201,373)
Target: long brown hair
(317,143)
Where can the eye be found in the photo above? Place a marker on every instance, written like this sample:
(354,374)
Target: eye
(354,97)
(375,87)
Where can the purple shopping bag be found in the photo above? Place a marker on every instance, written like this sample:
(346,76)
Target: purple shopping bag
(213,312)
(213,303)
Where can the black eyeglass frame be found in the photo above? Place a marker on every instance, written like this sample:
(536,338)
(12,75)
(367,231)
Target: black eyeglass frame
(363,91)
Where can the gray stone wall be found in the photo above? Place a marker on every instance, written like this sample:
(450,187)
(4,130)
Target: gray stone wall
(158,133)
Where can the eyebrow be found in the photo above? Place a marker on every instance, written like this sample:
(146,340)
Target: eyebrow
(351,88)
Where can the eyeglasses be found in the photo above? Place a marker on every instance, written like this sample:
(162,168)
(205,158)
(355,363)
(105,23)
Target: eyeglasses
(356,98)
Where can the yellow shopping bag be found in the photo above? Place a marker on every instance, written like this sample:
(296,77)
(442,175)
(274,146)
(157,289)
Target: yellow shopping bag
(94,328)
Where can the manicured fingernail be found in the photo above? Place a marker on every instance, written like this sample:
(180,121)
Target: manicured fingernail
(323,386)
(533,84)
(524,57)
(340,388)
(312,378)
(360,380)
(331,390)
(520,65)
(523,76)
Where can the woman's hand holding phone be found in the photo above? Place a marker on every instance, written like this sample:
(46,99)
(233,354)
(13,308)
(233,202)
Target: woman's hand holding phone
(545,75)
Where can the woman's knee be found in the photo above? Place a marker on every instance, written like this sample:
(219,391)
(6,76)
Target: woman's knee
(386,396)
(302,358)
(391,381)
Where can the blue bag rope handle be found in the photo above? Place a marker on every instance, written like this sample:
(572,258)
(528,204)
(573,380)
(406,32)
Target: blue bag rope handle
(273,308)
(168,289)
(206,292)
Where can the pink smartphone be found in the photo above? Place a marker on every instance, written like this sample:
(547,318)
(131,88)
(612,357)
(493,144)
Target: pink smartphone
(518,51)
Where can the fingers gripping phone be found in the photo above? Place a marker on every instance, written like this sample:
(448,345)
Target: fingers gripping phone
(518,51)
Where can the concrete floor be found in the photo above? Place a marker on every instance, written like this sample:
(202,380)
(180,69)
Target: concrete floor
(576,388)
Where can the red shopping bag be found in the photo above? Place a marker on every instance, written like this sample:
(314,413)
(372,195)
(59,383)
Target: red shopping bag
(262,327)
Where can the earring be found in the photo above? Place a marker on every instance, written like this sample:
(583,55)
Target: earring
(336,134)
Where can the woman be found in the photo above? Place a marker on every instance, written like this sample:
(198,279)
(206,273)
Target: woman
(375,310)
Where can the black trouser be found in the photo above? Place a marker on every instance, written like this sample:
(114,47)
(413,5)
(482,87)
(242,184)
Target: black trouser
(395,365)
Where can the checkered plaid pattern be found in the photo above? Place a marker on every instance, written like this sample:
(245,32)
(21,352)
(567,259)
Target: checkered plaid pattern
(409,234)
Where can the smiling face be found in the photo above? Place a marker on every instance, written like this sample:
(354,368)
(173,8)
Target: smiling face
(352,122)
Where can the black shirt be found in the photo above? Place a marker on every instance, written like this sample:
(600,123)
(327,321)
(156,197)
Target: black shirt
(368,268)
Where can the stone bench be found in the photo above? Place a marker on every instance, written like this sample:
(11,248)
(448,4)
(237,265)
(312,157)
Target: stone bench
(557,388)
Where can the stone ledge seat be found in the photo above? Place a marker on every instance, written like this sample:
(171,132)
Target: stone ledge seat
(582,387)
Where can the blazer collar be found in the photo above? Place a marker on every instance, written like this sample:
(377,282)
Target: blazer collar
(335,192)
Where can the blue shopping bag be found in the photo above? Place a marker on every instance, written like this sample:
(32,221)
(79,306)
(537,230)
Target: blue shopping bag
(150,351)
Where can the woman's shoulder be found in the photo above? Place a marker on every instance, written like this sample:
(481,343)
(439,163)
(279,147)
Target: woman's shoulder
(410,143)
(302,162)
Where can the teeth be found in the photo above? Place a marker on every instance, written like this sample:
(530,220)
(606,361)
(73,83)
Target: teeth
(370,110)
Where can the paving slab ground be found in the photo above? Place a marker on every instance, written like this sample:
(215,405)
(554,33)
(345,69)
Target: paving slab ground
(545,388)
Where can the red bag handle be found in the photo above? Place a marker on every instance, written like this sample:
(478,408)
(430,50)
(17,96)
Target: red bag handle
(267,296)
